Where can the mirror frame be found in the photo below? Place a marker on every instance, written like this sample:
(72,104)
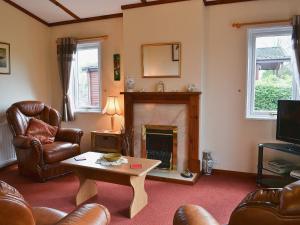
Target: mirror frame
(159,44)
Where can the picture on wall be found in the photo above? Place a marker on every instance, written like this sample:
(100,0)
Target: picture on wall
(4,58)
(175,52)
(117,67)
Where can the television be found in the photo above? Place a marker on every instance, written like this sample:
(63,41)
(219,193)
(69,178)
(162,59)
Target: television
(288,121)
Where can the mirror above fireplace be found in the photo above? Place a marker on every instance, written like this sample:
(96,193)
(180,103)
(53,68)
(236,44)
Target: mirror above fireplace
(161,60)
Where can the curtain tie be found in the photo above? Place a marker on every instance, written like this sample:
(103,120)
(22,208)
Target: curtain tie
(66,98)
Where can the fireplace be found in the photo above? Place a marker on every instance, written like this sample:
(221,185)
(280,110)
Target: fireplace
(168,122)
(160,142)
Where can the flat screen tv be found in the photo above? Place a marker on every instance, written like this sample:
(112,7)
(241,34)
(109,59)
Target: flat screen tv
(288,121)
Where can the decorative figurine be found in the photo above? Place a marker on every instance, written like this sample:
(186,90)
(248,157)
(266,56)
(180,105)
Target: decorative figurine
(160,87)
(191,88)
(187,174)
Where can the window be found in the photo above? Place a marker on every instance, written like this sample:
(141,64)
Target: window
(270,71)
(86,79)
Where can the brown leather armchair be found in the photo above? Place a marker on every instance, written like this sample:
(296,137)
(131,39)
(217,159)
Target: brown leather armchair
(34,158)
(267,206)
(14,210)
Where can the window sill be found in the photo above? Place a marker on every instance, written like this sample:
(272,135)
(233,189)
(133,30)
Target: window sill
(88,111)
(260,117)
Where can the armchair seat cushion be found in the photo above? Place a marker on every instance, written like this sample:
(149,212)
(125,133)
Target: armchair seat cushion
(58,151)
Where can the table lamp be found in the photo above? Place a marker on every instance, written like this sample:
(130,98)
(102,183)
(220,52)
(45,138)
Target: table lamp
(112,108)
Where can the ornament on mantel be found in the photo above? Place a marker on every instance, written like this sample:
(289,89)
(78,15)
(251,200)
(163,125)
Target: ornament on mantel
(160,87)
(130,83)
(191,88)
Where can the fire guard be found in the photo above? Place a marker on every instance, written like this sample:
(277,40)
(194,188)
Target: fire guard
(160,142)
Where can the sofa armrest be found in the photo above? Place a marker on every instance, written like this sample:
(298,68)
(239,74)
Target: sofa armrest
(72,135)
(91,214)
(193,215)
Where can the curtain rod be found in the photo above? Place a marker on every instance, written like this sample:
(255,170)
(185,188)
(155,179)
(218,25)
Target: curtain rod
(93,38)
(239,25)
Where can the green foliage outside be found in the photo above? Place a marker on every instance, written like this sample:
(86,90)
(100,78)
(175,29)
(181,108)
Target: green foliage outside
(273,87)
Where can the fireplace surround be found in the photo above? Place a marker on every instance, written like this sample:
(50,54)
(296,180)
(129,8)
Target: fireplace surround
(190,99)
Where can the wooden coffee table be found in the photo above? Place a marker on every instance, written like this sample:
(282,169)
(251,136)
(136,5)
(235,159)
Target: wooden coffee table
(88,171)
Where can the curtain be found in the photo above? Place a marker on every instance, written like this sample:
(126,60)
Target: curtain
(296,47)
(66,48)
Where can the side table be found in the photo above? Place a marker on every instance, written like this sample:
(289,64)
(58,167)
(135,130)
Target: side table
(106,141)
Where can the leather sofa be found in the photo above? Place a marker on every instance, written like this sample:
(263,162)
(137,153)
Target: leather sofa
(267,206)
(14,210)
(41,161)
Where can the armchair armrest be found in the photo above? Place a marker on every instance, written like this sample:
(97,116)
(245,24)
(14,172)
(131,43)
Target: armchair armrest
(72,135)
(260,207)
(22,141)
(193,215)
(91,214)
(290,199)
(263,197)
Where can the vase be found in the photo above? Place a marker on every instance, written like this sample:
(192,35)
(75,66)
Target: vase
(130,83)
(207,163)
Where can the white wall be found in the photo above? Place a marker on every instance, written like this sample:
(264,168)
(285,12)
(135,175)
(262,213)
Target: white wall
(176,22)
(233,139)
(29,48)
(113,28)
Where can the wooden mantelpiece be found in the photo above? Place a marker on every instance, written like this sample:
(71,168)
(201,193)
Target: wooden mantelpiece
(191,99)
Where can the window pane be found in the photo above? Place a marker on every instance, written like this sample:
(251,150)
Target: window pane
(88,77)
(273,76)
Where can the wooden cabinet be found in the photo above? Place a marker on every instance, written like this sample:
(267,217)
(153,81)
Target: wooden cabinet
(106,141)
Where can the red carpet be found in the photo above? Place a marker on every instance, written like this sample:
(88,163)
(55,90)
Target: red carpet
(219,194)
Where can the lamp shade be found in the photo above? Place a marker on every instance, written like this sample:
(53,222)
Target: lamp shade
(112,106)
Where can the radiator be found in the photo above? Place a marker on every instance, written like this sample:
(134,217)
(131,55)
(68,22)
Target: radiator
(7,151)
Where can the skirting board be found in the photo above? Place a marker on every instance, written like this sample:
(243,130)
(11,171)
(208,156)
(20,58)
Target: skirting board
(236,173)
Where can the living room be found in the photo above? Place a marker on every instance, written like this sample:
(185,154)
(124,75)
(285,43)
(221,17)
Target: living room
(213,59)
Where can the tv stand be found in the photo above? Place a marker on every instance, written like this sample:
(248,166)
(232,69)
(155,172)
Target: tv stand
(283,147)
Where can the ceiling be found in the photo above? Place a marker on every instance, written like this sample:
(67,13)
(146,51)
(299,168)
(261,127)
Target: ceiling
(51,13)
(58,12)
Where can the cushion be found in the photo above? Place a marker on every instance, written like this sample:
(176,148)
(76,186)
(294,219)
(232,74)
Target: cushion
(41,130)
(59,151)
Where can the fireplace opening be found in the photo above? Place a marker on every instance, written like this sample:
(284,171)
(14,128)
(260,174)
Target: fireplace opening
(160,142)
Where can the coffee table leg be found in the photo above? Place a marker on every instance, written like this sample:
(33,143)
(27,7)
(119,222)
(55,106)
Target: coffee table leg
(87,189)
(140,197)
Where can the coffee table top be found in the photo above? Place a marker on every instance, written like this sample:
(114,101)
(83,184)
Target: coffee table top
(91,158)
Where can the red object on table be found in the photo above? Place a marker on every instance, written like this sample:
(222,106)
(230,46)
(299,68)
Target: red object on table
(136,166)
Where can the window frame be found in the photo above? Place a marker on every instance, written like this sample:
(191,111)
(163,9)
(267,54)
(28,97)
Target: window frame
(75,95)
(252,34)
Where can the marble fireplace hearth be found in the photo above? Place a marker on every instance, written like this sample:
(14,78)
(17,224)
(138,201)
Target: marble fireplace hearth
(176,110)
